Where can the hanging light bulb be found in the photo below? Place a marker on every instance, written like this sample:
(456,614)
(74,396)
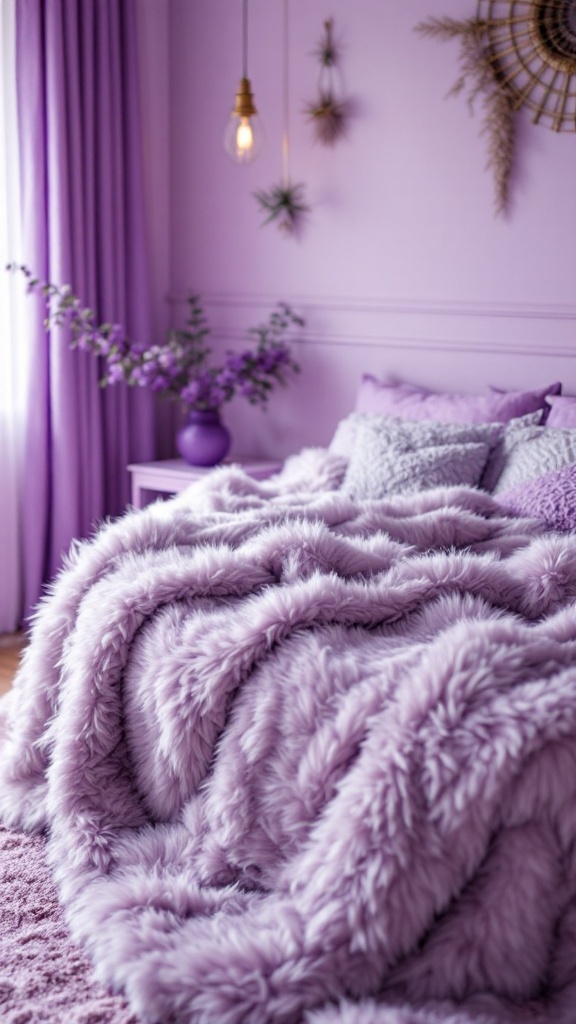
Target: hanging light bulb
(244,135)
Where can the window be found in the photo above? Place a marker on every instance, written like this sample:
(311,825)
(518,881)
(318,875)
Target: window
(12,353)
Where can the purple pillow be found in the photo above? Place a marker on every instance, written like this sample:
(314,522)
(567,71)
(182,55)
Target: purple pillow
(407,401)
(550,498)
(562,411)
(554,389)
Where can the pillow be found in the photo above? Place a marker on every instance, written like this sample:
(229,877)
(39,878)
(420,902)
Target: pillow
(562,411)
(532,456)
(391,456)
(513,433)
(554,389)
(345,435)
(411,402)
(415,432)
(550,498)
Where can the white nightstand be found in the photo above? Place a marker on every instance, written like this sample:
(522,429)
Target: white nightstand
(170,476)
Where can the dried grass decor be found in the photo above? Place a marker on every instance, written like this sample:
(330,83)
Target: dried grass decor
(515,53)
(478,77)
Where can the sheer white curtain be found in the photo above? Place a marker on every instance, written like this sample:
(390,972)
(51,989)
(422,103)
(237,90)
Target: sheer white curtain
(12,354)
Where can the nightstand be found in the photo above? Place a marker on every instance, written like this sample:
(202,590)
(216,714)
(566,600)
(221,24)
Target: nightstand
(170,476)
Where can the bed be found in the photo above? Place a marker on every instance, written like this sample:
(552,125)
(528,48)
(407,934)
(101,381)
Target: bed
(304,749)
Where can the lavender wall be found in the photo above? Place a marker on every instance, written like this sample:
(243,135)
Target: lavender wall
(402,268)
(155,100)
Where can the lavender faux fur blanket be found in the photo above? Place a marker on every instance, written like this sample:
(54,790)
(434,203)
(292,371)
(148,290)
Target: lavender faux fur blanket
(302,760)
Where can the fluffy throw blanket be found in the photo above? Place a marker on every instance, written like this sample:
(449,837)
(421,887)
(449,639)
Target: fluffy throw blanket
(305,760)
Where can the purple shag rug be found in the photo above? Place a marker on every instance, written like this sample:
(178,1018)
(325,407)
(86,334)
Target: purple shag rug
(44,977)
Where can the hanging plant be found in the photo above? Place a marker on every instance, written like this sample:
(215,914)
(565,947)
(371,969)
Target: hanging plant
(326,52)
(327,114)
(284,203)
(479,77)
(329,118)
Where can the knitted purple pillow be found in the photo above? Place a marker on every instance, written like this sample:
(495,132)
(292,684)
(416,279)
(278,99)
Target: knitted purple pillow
(550,498)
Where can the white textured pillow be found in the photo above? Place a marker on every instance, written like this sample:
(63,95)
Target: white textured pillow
(390,456)
(518,430)
(537,450)
(412,433)
(345,434)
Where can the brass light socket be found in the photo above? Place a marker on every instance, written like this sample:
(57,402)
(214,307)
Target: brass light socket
(244,106)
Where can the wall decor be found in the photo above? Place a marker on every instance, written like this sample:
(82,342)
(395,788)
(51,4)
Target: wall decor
(514,53)
(327,114)
(284,203)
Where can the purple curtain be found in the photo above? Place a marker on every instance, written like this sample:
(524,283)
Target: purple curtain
(83,225)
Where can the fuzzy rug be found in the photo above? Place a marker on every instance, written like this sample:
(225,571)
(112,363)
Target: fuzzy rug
(302,761)
(44,977)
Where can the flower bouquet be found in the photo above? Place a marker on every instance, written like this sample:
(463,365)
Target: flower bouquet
(178,368)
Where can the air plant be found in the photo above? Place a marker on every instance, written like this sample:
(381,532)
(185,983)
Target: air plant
(329,118)
(479,75)
(327,114)
(327,52)
(284,204)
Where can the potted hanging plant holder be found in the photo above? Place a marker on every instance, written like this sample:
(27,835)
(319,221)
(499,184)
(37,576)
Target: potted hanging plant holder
(327,114)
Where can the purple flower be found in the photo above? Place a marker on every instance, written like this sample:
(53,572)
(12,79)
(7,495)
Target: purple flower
(238,362)
(137,377)
(191,393)
(226,377)
(217,396)
(179,367)
(103,345)
(114,373)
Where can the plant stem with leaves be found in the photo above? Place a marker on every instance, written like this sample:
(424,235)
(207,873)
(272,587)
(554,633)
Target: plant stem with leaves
(179,367)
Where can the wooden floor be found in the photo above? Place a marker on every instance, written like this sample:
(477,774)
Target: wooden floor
(11,645)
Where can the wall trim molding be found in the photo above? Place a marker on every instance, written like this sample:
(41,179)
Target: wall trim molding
(422,344)
(536,329)
(427,307)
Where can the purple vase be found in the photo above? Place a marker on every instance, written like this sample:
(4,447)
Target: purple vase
(203,440)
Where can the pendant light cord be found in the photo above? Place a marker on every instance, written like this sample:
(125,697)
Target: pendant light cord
(245,38)
(285,134)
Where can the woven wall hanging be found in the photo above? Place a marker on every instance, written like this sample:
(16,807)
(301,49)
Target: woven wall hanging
(513,54)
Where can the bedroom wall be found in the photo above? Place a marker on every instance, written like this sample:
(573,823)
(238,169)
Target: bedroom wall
(402,267)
